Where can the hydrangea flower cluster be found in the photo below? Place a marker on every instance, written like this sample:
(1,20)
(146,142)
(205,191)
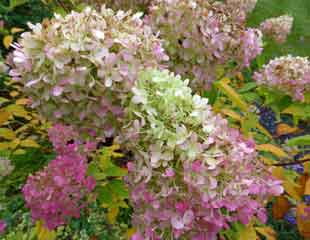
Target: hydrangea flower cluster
(135,5)
(192,175)
(278,28)
(288,74)
(59,191)
(245,5)
(204,36)
(5,167)
(78,69)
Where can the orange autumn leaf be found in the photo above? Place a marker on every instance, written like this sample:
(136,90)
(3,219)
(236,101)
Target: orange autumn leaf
(307,187)
(284,129)
(280,207)
(302,184)
(303,219)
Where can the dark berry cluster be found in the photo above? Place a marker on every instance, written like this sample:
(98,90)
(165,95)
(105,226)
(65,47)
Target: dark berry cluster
(267,119)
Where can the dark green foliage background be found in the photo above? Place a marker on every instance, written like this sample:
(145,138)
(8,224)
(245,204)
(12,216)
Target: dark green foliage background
(298,43)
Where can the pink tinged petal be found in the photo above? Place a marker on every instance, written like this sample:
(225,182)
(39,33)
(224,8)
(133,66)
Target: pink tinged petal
(169,172)
(130,167)
(58,114)
(57,91)
(137,236)
(60,181)
(213,183)
(29,84)
(196,166)
(276,190)
(177,222)
(188,217)
(262,216)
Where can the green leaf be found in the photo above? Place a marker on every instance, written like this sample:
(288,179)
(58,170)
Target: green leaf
(299,141)
(16,3)
(119,188)
(115,171)
(247,87)
(93,170)
(104,195)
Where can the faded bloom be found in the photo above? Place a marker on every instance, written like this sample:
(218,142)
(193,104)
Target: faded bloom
(246,5)
(278,28)
(78,69)
(204,37)
(288,74)
(3,67)
(133,5)
(193,175)
(5,167)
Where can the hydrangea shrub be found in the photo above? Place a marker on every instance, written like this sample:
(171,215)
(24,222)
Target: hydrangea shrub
(192,175)
(288,74)
(203,37)
(278,28)
(79,68)
(59,191)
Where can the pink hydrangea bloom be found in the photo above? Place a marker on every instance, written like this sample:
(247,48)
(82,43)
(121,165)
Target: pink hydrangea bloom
(278,28)
(193,175)
(78,69)
(59,191)
(288,74)
(203,37)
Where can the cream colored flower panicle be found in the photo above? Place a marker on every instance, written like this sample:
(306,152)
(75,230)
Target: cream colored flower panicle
(278,28)
(78,69)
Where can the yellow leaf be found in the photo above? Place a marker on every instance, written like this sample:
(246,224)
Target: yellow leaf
(22,128)
(15,143)
(7,40)
(272,149)
(130,232)
(19,152)
(267,232)
(43,233)
(290,188)
(16,30)
(266,161)
(263,130)
(29,143)
(278,173)
(17,110)
(22,101)
(232,114)
(248,233)
(5,145)
(7,133)
(14,93)
(232,94)
(4,116)
(112,215)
